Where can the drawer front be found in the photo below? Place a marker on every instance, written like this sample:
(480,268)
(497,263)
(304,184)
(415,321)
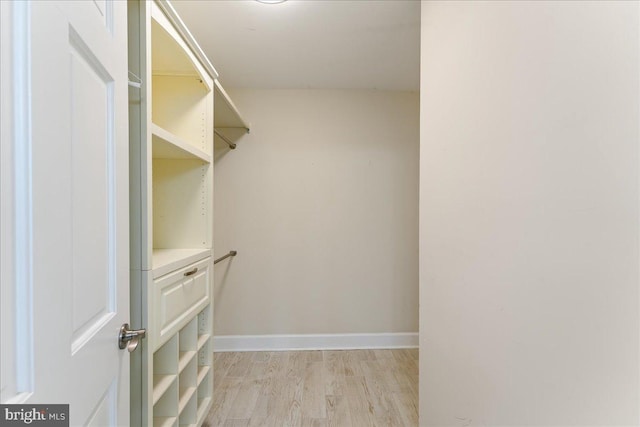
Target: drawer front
(178,297)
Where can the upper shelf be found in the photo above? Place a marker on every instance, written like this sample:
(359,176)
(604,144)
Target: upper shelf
(226,114)
(228,123)
(170,53)
(182,29)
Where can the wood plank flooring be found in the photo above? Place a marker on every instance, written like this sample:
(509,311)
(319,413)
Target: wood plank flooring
(346,388)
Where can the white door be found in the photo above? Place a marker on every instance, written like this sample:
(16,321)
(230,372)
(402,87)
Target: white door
(65,207)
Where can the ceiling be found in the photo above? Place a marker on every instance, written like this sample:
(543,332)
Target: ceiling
(318,44)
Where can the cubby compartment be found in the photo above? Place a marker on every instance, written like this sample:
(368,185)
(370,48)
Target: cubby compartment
(205,363)
(187,401)
(165,410)
(189,409)
(188,372)
(165,363)
(203,374)
(204,377)
(188,339)
(205,371)
(205,355)
(204,326)
(187,384)
(204,396)
(188,376)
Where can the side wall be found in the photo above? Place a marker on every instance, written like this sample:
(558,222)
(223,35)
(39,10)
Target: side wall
(529,213)
(321,202)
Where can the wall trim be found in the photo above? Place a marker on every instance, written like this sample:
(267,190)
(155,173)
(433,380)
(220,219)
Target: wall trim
(223,343)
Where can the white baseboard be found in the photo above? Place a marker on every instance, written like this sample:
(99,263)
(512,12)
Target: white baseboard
(222,343)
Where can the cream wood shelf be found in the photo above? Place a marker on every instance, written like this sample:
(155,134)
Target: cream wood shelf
(167,260)
(168,146)
(228,122)
(203,405)
(161,384)
(185,358)
(185,397)
(164,421)
(182,29)
(202,373)
(171,55)
(226,114)
(202,340)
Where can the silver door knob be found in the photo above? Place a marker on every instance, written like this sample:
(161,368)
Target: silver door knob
(129,338)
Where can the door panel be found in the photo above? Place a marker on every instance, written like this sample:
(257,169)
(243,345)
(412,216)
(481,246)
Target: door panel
(105,413)
(92,189)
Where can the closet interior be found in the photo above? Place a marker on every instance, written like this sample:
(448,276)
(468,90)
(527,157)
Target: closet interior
(177,110)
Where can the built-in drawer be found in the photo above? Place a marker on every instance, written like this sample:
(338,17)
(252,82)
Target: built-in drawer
(178,297)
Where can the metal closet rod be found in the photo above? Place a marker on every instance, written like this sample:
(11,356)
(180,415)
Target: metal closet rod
(225,139)
(231,253)
(231,144)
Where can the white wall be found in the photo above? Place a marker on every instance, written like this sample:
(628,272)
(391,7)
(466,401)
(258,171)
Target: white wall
(321,202)
(529,230)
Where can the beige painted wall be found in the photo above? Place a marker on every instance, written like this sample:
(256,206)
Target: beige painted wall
(529,230)
(321,202)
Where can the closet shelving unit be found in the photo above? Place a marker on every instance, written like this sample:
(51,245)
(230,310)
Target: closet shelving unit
(171,174)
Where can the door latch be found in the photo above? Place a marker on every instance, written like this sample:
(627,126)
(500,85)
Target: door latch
(129,338)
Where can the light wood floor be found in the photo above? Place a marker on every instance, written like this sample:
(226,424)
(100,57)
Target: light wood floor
(316,388)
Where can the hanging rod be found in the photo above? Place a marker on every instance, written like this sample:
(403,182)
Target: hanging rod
(231,253)
(134,80)
(225,139)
